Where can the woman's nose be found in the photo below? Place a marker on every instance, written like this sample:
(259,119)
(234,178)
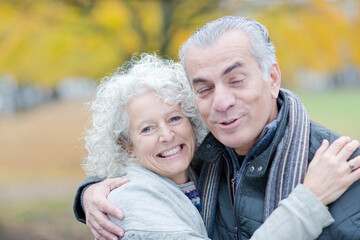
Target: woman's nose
(166,134)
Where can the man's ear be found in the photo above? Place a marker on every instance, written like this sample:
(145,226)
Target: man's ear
(275,80)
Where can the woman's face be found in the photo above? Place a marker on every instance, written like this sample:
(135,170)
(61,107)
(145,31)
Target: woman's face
(162,136)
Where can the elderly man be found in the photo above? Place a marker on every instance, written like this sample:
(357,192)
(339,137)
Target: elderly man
(260,139)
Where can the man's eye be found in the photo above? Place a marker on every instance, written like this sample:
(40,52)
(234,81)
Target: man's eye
(236,81)
(202,91)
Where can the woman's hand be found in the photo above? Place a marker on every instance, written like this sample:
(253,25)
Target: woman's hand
(96,206)
(330,173)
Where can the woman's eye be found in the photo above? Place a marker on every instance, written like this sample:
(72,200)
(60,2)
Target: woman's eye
(146,129)
(175,119)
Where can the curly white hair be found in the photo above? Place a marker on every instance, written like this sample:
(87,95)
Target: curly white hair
(108,135)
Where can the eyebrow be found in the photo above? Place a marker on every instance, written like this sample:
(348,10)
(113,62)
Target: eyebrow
(198,80)
(227,70)
(232,67)
(171,111)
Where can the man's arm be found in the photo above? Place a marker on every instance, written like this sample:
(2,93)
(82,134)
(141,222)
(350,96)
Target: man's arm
(303,214)
(78,208)
(91,206)
(300,216)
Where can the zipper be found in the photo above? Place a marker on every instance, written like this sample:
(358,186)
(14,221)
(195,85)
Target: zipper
(233,181)
(259,138)
(232,190)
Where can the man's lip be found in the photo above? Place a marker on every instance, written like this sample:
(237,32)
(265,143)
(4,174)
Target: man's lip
(227,120)
(232,122)
(229,123)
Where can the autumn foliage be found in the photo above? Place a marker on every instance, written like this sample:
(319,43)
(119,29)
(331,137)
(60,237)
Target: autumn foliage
(45,41)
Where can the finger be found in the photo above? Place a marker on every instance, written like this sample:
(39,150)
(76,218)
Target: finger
(93,231)
(96,230)
(111,227)
(102,233)
(337,145)
(109,208)
(348,150)
(354,163)
(113,183)
(355,172)
(355,176)
(107,235)
(322,149)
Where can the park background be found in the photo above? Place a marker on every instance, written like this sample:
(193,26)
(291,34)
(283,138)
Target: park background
(53,53)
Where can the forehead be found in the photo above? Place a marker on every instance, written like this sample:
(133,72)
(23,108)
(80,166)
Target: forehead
(232,46)
(229,41)
(147,106)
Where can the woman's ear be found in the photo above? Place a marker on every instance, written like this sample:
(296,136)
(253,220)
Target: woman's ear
(128,147)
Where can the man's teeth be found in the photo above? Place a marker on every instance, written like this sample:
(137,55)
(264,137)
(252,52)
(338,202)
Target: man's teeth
(171,152)
(226,123)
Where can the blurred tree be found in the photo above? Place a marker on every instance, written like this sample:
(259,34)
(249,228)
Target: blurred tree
(85,5)
(315,35)
(44,41)
(163,24)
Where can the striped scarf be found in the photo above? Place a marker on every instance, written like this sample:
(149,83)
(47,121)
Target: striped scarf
(291,157)
(208,188)
(287,170)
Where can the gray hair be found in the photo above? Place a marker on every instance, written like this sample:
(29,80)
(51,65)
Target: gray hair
(261,48)
(108,136)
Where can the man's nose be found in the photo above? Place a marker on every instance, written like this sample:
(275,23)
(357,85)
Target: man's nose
(223,99)
(166,134)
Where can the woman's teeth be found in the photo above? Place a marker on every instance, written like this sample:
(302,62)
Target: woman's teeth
(171,152)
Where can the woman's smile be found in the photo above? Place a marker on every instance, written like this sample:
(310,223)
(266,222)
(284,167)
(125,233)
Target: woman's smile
(172,152)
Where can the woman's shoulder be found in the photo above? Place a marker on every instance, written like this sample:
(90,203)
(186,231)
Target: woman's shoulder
(143,183)
(143,197)
(152,203)
(140,175)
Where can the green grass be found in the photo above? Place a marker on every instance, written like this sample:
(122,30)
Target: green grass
(338,110)
(41,219)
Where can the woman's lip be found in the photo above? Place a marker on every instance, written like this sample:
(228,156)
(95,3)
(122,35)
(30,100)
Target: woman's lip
(170,149)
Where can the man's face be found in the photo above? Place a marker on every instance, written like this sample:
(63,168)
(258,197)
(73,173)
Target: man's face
(232,97)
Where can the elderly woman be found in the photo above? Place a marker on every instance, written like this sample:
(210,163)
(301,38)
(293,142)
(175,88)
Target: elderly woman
(145,126)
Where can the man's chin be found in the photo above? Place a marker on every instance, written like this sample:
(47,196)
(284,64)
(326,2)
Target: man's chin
(232,141)
(228,140)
